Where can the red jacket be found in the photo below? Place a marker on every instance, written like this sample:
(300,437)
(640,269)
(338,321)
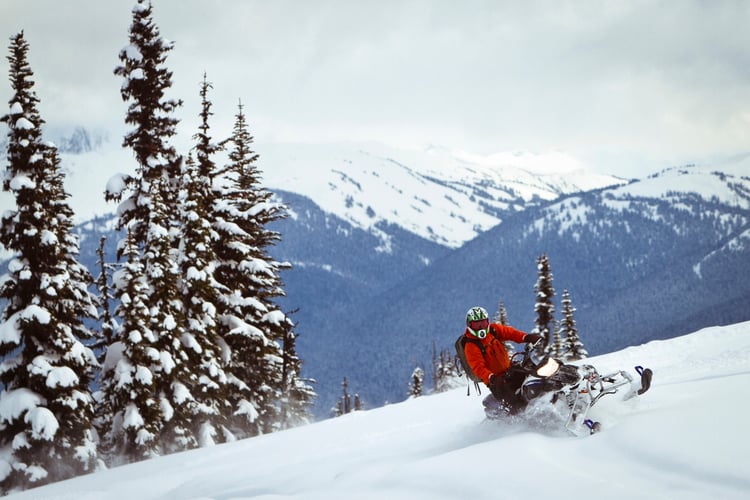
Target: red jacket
(495,359)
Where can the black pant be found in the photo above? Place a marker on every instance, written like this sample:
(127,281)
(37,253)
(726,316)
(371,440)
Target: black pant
(509,395)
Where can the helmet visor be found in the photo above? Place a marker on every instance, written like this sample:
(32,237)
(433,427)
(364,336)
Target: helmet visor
(479,327)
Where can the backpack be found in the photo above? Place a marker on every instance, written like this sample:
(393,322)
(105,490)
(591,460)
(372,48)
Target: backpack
(461,354)
(460,346)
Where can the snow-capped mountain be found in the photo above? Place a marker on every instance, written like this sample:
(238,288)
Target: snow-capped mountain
(442,196)
(77,141)
(81,140)
(682,439)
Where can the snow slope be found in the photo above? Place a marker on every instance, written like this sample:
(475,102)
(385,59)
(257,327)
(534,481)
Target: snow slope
(686,438)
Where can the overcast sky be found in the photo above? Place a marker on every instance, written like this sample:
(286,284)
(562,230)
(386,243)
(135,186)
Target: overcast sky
(624,86)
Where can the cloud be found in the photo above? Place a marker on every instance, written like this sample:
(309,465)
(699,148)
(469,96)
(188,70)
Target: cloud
(606,81)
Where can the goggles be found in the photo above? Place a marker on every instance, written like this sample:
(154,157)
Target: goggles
(479,328)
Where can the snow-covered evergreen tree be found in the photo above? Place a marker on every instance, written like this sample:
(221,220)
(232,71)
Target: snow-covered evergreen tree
(544,306)
(572,346)
(416,383)
(46,407)
(501,316)
(147,363)
(435,368)
(558,342)
(200,290)
(252,324)
(445,369)
(344,404)
(131,416)
(108,323)
(151,113)
(174,375)
(297,392)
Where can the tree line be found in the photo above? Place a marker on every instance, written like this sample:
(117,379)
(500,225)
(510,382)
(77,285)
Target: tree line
(189,347)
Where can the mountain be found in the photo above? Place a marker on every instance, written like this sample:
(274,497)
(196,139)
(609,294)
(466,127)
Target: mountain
(652,259)
(77,141)
(682,439)
(444,197)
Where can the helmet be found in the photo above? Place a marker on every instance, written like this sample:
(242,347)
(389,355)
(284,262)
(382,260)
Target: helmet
(477,321)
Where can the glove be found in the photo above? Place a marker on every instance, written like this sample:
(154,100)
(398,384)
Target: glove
(532,338)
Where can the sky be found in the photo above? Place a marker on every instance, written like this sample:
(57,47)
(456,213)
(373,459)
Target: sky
(685,438)
(624,87)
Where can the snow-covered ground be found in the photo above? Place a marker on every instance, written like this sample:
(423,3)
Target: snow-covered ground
(686,438)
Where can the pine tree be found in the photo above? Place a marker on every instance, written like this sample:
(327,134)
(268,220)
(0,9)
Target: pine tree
(46,407)
(200,290)
(435,367)
(297,393)
(444,368)
(502,317)
(252,325)
(449,363)
(544,306)
(572,347)
(416,384)
(146,81)
(174,375)
(558,343)
(108,323)
(131,416)
(146,378)
(344,404)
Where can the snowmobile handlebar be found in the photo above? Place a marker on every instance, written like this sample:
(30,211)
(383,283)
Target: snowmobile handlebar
(526,354)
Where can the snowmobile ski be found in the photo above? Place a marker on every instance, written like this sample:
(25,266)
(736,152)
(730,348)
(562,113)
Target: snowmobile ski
(646,375)
(593,426)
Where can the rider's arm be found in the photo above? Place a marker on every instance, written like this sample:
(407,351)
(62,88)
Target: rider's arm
(476,362)
(506,332)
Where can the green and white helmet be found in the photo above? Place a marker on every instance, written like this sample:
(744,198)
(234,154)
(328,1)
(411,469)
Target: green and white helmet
(477,321)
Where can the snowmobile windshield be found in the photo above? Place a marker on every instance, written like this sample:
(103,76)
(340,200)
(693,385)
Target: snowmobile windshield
(548,368)
(476,326)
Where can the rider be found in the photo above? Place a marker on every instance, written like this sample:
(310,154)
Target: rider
(490,362)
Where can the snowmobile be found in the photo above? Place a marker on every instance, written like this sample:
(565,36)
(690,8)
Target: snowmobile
(570,389)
